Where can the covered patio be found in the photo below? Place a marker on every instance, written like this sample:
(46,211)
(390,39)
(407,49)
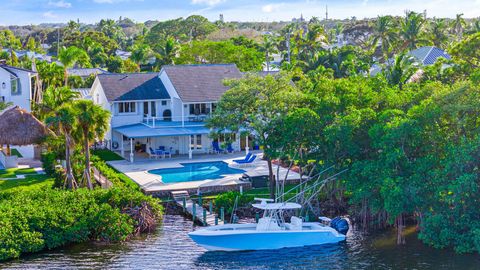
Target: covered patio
(181,139)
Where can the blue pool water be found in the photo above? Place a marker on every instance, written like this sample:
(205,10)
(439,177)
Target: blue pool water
(196,172)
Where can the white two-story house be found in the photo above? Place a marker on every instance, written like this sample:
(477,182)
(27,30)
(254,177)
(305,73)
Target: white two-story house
(164,110)
(16,87)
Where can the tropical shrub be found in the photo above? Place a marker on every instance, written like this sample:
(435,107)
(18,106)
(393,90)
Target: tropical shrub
(38,219)
(227,201)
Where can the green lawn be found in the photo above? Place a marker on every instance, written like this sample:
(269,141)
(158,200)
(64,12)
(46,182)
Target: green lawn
(32,179)
(30,182)
(11,173)
(106,155)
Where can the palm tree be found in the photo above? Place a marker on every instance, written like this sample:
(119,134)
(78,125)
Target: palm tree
(400,71)
(167,52)
(474,27)
(92,123)
(438,32)
(54,98)
(412,30)
(63,119)
(458,26)
(269,47)
(384,33)
(71,56)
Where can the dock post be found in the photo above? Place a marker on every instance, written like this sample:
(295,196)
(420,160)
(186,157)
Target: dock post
(222,214)
(257,216)
(184,204)
(216,220)
(210,207)
(194,212)
(200,200)
(204,216)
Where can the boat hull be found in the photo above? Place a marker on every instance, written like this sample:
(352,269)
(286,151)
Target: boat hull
(245,239)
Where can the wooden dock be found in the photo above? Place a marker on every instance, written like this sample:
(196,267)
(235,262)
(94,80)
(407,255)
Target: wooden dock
(182,197)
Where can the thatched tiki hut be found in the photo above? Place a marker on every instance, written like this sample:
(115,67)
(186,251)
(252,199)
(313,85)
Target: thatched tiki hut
(19,127)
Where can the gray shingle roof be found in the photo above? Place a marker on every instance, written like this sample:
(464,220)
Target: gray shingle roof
(85,72)
(428,55)
(133,86)
(201,83)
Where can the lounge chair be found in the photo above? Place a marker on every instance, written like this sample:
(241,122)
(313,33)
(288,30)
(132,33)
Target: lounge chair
(217,148)
(246,158)
(249,161)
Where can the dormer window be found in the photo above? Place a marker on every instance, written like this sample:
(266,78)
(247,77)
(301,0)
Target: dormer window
(15,86)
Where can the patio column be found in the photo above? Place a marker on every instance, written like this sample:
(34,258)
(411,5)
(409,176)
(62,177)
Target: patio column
(131,150)
(122,149)
(183,115)
(246,145)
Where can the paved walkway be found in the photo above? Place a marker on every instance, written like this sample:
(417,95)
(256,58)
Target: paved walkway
(138,172)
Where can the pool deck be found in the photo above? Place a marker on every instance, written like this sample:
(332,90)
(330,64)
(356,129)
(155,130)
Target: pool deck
(152,183)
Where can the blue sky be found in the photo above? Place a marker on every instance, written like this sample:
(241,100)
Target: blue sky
(88,11)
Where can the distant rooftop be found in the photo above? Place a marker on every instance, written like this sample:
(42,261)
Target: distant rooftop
(428,55)
(85,72)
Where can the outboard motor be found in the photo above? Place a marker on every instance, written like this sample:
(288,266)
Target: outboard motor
(340,225)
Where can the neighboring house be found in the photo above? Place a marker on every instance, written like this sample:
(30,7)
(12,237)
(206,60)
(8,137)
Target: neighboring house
(428,55)
(424,56)
(124,55)
(30,55)
(85,72)
(165,109)
(16,87)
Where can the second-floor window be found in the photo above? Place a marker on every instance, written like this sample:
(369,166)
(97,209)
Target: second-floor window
(200,108)
(15,86)
(126,107)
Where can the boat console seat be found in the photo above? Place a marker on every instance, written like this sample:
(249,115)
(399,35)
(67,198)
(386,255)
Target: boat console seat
(295,224)
(267,224)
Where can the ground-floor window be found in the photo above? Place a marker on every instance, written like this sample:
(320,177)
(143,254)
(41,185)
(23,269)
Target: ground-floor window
(195,141)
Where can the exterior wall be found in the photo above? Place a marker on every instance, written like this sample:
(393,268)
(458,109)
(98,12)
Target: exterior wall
(99,98)
(23,99)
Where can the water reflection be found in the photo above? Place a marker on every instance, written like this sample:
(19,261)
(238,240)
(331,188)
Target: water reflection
(171,248)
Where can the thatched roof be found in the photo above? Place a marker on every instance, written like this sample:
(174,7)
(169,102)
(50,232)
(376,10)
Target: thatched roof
(19,127)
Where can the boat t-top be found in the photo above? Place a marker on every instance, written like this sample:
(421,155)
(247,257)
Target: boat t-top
(271,231)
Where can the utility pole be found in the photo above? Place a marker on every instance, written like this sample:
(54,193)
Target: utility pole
(58,41)
(326,12)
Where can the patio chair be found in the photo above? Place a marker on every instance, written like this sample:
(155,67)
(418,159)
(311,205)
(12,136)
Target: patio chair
(160,153)
(216,148)
(246,158)
(168,153)
(152,153)
(229,148)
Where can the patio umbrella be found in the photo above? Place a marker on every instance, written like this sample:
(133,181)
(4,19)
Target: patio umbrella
(19,127)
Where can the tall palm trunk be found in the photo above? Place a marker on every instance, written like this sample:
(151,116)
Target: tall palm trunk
(271,178)
(87,161)
(65,76)
(70,179)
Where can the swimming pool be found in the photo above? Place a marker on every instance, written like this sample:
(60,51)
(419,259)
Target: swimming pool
(196,172)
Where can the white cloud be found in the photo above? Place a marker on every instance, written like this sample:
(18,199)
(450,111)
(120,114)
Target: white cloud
(365,2)
(207,2)
(60,4)
(272,7)
(114,1)
(49,15)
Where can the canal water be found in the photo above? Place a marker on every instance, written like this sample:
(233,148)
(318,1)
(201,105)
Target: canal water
(170,248)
